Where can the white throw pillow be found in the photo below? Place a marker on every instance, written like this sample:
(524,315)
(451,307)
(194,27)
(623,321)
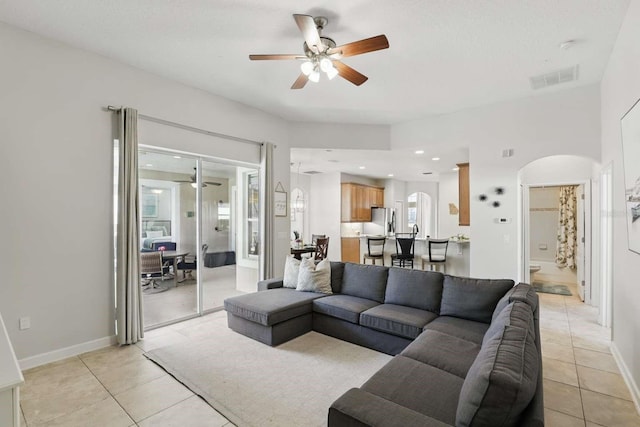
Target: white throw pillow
(291,269)
(315,278)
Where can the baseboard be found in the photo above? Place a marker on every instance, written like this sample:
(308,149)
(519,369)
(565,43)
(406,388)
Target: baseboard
(626,374)
(63,353)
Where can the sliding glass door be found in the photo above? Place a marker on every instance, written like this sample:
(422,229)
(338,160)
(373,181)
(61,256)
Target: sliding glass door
(199,217)
(168,231)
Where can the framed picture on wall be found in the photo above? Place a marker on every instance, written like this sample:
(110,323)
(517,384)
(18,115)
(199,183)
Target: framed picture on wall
(630,126)
(149,205)
(280,201)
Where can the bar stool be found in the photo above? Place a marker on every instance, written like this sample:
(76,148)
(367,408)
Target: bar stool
(375,249)
(437,255)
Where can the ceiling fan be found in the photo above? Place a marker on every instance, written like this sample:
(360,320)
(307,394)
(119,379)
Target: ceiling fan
(322,54)
(194,184)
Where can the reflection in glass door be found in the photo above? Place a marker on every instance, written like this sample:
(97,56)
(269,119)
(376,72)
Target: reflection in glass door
(168,231)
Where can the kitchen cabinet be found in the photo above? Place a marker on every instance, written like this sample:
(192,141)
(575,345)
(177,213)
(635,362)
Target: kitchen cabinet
(350,249)
(464,213)
(357,201)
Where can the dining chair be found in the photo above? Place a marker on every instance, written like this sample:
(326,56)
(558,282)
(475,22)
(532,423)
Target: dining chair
(405,245)
(322,248)
(375,249)
(190,263)
(436,255)
(151,268)
(315,237)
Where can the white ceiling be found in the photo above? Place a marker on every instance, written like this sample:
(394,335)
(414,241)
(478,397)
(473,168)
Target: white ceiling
(444,55)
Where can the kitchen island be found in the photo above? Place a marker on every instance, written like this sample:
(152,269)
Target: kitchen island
(457,253)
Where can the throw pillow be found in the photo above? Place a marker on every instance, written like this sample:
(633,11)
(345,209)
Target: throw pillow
(291,271)
(315,278)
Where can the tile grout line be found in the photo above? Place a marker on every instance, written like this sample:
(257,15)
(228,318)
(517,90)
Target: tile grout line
(107,390)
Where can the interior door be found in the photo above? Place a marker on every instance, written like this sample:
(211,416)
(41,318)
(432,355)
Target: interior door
(580,253)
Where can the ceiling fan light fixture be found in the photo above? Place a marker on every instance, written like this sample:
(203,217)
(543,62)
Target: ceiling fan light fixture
(194,185)
(326,64)
(307,68)
(314,76)
(332,72)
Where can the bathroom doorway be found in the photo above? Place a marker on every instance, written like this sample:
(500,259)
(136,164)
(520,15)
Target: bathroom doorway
(557,237)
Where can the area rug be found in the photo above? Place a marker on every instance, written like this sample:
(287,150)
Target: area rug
(255,385)
(551,288)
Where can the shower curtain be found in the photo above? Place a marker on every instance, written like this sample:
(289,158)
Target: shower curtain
(567,244)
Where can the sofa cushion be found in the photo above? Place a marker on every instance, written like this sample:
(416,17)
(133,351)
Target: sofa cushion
(358,408)
(414,288)
(443,351)
(364,281)
(472,299)
(501,382)
(345,307)
(398,320)
(337,271)
(272,306)
(515,314)
(461,328)
(520,292)
(417,386)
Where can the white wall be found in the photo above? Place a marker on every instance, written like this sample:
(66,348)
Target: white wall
(560,123)
(325,212)
(57,151)
(620,88)
(339,135)
(448,190)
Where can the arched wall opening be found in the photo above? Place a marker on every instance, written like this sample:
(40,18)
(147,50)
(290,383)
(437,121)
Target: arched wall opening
(548,223)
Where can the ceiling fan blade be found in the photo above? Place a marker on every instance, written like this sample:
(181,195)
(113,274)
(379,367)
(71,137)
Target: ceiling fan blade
(300,82)
(276,56)
(213,183)
(349,73)
(362,46)
(183,181)
(309,31)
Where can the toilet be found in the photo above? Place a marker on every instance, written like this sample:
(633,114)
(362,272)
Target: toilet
(534,268)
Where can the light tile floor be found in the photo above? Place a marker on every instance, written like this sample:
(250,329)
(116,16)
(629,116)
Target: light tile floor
(118,386)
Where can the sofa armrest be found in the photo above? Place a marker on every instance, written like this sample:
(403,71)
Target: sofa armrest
(358,408)
(264,285)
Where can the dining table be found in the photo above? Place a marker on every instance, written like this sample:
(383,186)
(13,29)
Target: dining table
(297,252)
(174,257)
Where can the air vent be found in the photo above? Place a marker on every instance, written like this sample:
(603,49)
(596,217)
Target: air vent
(312,172)
(556,77)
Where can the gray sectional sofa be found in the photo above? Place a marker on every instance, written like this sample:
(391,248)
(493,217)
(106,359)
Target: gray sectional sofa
(467,351)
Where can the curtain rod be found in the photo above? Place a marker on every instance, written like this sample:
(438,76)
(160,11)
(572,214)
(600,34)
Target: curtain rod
(190,128)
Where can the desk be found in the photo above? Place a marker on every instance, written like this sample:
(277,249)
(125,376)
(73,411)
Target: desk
(174,256)
(297,253)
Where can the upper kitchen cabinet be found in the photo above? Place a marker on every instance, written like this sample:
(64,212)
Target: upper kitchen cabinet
(464,214)
(357,201)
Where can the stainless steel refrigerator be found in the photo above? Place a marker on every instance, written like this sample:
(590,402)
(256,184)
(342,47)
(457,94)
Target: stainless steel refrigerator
(383,222)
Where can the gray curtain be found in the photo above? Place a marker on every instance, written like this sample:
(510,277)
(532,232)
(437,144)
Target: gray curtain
(567,245)
(128,289)
(267,217)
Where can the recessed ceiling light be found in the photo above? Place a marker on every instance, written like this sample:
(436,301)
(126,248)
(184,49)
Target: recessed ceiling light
(177,157)
(148,165)
(455,169)
(419,151)
(361,167)
(435,159)
(390,175)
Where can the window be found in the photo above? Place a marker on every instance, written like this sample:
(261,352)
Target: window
(419,213)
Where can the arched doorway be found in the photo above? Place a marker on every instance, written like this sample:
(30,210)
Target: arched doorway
(559,224)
